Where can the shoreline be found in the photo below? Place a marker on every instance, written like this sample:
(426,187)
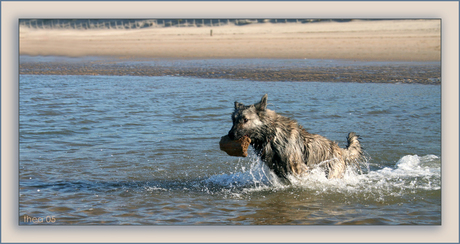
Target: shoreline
(194,52)
(268,70)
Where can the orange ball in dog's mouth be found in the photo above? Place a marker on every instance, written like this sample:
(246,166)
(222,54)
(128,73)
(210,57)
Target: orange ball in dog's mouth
(238,148)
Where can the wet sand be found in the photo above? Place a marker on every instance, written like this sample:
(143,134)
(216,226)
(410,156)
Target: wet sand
(388,72)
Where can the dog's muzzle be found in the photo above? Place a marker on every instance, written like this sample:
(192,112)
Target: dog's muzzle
(236,134)
(233,133)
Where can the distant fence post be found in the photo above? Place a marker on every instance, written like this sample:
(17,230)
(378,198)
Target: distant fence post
(143,23)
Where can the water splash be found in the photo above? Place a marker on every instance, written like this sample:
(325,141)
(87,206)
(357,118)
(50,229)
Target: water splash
(255,176)
(410,173)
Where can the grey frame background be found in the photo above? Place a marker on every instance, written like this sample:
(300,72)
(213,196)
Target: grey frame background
(13,10)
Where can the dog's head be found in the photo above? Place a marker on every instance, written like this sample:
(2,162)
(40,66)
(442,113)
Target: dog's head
(247,119)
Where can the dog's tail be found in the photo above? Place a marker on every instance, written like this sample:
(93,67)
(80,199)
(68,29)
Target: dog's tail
(354,150)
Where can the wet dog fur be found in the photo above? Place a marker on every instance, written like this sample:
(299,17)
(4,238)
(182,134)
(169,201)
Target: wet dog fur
(286,147)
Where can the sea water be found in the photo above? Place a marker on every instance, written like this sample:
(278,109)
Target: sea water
(113,150)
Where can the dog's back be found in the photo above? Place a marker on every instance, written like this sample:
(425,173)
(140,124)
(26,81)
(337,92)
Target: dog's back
(287,148)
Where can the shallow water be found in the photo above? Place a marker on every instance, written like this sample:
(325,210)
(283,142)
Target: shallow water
(144,150)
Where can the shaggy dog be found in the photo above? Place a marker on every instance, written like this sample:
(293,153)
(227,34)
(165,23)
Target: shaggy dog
(287,148)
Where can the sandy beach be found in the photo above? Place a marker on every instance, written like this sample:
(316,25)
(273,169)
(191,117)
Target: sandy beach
(149,49)
(382,40)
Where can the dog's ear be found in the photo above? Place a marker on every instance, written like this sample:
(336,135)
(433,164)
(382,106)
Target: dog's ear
(238,105)
(262,105)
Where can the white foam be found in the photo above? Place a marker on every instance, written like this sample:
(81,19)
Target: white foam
(155,189)
(409,173)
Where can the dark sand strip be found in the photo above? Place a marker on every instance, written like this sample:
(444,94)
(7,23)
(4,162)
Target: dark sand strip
(388,73)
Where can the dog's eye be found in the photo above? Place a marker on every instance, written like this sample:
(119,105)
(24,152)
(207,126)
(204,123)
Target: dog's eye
(245,120)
